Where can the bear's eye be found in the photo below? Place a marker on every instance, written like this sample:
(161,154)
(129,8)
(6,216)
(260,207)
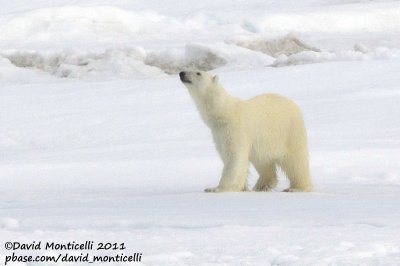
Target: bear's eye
(198,74)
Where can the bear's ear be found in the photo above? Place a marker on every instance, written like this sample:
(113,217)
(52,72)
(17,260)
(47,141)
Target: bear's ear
(215,79)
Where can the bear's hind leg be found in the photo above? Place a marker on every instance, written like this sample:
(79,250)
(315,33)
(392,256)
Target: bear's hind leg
(268,178)
(298,173)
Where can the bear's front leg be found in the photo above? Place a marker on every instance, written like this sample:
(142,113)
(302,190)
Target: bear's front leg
(234,176)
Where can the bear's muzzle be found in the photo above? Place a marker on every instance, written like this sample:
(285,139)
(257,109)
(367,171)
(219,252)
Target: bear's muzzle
(184,78)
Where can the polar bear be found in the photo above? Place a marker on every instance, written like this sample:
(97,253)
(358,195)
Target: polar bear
(267,131)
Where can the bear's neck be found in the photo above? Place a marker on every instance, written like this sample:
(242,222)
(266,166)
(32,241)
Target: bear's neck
(216,107)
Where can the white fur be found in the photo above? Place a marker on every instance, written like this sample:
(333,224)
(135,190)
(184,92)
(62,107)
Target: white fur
(267,131)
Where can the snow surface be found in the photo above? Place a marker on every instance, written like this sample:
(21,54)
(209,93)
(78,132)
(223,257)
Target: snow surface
(100,141)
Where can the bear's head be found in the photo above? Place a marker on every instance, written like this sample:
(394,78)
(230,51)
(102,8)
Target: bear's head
(209,96)
(199,83)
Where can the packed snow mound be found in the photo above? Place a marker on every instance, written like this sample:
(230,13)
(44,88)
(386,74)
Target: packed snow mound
(134,62)
(286,45)
(359,53)
(195,57)
(137,63)
(123,63)
(10,73)
(207,57)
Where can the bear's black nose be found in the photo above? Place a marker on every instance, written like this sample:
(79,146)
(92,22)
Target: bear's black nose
(184,78)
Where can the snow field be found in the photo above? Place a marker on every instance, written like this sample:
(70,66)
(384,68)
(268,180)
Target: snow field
(98,171)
